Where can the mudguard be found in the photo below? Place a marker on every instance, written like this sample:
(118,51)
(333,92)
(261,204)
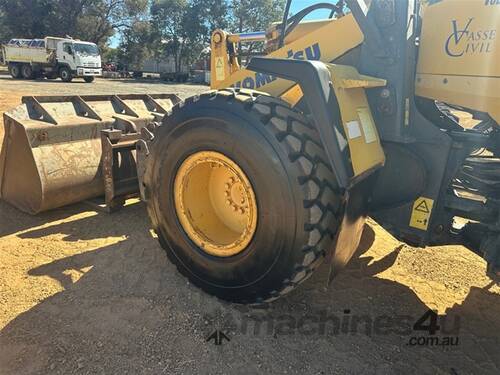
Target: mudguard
(338,106)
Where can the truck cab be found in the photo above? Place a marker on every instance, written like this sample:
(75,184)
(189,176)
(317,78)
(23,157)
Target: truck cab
(82,58)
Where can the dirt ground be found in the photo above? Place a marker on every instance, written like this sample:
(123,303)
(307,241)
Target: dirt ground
(85,292)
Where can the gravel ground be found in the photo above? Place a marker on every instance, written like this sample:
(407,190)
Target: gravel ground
(85,292)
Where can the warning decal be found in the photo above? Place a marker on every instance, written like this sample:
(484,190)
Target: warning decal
(421,213)
(219,69)
(423,207)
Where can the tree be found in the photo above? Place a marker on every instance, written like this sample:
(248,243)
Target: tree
(177,29)
(138,42)
(217,15)
(184,26)
(101,20)
(181,29)
(4,31)
(254,15)
(92,20)
(30,12)
(167,17)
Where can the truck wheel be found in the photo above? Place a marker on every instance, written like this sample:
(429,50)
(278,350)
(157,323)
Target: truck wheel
(241,195)
(88,79)
(65,74)
(15,71)
(27,71)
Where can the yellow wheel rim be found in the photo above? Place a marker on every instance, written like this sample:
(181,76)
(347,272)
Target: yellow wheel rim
(215,203)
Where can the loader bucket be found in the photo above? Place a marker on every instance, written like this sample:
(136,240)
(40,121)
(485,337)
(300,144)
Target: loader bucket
(52,154)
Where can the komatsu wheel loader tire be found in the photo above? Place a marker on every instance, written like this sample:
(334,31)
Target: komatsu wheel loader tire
(88,79)
(27,71)
(274,157)
(15,71)
(65,74)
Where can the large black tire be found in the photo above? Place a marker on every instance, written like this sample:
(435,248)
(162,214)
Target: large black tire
(27,71)
(281,154)
(15,71)
(65,74)
(88,79)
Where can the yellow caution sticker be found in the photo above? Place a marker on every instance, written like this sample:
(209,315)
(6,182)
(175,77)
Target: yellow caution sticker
(421,213)
(219,69)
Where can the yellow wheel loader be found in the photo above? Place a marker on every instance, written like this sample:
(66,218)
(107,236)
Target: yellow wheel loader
(251,186)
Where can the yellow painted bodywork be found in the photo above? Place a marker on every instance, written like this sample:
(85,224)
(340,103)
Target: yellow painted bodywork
(319,40)
(303,28)
(459,57)
(357,120)
(312,39)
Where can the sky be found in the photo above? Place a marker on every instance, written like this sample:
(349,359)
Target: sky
(296,6)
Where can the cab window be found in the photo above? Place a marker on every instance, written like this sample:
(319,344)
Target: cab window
(68,48)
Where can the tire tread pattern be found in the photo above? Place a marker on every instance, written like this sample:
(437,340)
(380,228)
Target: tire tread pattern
(321,199)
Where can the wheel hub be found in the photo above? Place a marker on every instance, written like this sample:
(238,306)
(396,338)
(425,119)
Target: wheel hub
(215,203)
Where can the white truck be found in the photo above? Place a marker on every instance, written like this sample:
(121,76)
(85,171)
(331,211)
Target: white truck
(52,57)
